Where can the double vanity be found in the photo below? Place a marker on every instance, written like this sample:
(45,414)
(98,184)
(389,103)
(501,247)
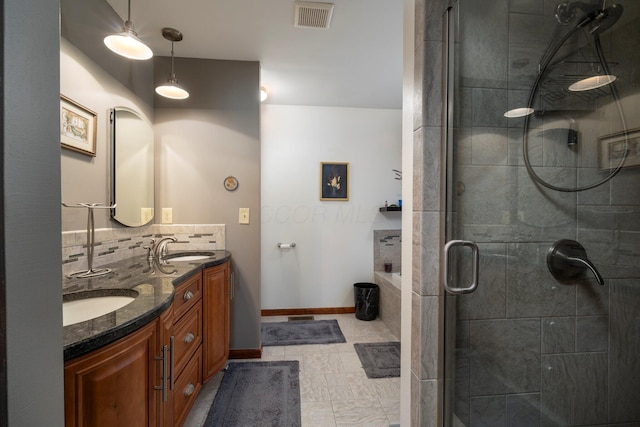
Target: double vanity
(145,362)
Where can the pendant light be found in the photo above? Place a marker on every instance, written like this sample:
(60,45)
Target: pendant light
(171,89)
(127,42)
(593,82)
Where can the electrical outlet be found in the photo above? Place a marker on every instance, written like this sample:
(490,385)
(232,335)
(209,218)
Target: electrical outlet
(146,215)
(167,215)
(243,216)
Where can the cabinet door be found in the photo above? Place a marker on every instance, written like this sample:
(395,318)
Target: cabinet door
(216,319)
(114,386)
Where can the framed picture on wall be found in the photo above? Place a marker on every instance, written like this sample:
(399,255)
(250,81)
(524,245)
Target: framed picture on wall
(77,127)
(612,150)
(334,181)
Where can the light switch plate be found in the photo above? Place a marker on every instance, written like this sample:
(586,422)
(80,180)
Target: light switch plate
(243,216)
(167,215)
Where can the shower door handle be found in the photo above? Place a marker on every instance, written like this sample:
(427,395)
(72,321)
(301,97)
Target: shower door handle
(475,266)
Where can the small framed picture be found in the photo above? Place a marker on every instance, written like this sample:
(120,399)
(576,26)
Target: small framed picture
(619,147)
(334,181)
(77,127)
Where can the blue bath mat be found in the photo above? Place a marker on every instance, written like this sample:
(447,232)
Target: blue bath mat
(301,332)
(380,359)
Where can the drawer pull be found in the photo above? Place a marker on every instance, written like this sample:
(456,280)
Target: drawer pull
(187,295)
(189,337)
(188,391)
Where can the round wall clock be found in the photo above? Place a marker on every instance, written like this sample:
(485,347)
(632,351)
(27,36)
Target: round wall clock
(230,183)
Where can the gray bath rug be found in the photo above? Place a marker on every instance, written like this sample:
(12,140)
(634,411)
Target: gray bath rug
(258,394)
(301,332)
(380,359)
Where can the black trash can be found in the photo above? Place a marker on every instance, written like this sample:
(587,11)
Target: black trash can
(367,300)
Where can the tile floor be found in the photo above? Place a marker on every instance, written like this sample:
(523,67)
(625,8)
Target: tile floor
(334,389)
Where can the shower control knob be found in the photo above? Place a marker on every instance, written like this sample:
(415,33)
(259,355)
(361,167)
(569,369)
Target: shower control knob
(567,260)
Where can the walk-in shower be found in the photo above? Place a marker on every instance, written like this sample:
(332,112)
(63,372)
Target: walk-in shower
(537,333)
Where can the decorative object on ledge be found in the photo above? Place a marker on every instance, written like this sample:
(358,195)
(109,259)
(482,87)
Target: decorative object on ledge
(77,127)
(391,208)
(334,181)
(231,183)
(90,272)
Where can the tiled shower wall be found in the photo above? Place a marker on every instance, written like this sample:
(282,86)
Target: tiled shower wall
(532,351)
(387,245)
(115,244)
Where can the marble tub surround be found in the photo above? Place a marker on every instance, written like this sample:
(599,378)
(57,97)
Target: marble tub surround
(387,245)
(390,299)
(117,244)
(155,286)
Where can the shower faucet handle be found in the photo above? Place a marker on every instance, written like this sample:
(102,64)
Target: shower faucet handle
(567,260)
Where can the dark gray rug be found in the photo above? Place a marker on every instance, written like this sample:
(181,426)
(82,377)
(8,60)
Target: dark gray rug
(301,332)
(380,359)
(258,394)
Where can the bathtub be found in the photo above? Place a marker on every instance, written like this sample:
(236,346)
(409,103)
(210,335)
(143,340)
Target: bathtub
(390,285)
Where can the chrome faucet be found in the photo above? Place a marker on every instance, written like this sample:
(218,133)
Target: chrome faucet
(161,247)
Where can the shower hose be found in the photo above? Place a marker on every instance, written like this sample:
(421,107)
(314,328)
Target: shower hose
(544,64)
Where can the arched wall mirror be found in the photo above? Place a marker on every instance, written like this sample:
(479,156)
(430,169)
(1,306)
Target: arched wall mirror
(131,168)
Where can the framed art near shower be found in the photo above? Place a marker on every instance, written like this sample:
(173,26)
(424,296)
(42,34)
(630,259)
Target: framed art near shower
(334,181)
(611,149)
(77,127)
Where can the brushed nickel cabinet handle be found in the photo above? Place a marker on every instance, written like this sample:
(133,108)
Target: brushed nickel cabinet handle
(187,295)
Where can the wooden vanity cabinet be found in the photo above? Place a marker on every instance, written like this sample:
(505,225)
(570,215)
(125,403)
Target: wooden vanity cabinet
(115,385)
(217,294)
(121,383)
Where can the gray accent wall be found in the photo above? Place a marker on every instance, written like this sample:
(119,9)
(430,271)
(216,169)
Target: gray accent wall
(31,203)
(200,141)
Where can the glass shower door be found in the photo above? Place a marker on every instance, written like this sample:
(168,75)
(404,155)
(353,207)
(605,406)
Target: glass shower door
(559,187)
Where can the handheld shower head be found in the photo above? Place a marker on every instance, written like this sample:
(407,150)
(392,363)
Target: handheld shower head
(568,11)
(599,20)
(605,19)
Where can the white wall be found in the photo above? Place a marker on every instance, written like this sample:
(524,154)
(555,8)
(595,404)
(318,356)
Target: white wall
(334,239)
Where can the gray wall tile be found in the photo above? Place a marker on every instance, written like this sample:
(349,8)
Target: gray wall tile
(505,356)
(559,335)
(574,389)
(488,411)
(624,373)
(531,290)
(592,334)
(523,410)
(488,300)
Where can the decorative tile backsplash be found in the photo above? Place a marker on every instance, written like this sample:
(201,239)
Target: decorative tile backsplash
(387,245)
(116,244)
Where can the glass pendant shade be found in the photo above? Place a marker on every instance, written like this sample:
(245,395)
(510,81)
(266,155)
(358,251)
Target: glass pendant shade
(519,112)
(592,82)
(171,89)
(128,44)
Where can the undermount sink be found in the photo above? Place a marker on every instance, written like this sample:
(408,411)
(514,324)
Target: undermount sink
(189,256)
(91,306)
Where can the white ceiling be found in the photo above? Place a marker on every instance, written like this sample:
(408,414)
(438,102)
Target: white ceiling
(357,62)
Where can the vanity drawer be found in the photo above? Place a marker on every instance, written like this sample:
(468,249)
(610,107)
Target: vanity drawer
(187,295)
(187,335)
(187,387)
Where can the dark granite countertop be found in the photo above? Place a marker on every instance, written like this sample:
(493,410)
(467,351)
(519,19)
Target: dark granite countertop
(154,285)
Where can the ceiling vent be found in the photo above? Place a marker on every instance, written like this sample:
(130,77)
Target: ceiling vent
(312,15)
